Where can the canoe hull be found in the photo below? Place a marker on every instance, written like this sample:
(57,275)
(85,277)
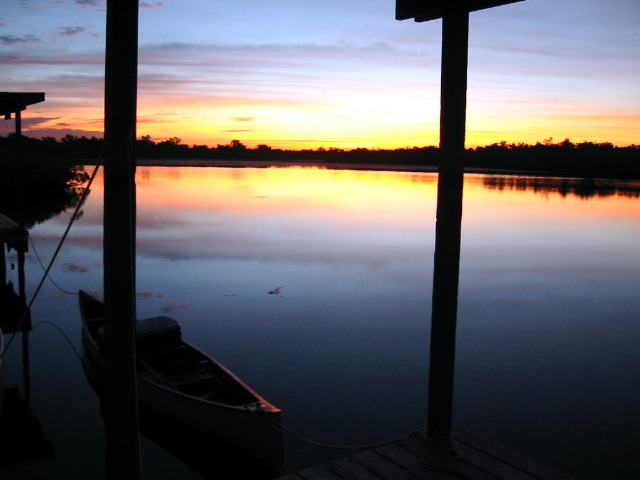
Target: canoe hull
(252,428)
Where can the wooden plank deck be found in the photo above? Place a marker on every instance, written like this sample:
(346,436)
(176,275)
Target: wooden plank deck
(416,458)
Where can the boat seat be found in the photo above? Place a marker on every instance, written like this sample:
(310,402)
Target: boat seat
(157,333)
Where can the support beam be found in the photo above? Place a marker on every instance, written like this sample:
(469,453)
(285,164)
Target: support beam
(425,10)
(455,35)
(120,400)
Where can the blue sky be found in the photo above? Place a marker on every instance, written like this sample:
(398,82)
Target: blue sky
(343,74)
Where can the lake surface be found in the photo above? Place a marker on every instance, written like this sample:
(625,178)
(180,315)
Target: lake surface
(548,362)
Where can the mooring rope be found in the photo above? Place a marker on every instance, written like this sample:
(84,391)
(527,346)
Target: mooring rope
(279,427)
(432,461)
(62,332)
(74,216)
(35,251)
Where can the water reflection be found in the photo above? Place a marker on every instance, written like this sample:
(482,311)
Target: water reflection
(39,207)
(580,187)
(547,315)
(210,458)
(22,437)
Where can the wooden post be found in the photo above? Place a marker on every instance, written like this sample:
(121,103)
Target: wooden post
(3,265)
(18,122)
(18,176)
(453,105)
(120,400)
(455,35)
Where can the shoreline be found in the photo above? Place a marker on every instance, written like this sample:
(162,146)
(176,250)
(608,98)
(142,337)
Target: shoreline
(380,167)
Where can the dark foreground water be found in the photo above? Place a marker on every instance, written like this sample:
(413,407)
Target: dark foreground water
(549,318)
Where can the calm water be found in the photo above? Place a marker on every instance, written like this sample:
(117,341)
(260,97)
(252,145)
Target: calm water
(549,318)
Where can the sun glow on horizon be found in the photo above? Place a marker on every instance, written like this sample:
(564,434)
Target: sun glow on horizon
(365,82)
(296,128)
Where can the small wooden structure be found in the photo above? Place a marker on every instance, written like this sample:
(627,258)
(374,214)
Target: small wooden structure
(418,458)
(12,232)
(16,102)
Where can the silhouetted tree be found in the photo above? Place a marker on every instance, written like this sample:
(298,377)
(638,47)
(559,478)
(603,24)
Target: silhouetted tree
(566,158)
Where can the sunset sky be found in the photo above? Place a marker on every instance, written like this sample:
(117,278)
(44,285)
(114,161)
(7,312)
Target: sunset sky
(340,74)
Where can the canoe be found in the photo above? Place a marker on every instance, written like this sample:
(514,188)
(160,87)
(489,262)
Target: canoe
(185,385)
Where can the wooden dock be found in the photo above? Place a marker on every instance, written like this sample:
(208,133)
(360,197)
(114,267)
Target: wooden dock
(417,458)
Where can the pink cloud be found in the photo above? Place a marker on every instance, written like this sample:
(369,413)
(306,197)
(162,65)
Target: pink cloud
(90,3)
(71,31)
(151,5)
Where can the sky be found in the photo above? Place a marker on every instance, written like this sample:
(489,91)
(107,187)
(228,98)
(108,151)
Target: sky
(341,74)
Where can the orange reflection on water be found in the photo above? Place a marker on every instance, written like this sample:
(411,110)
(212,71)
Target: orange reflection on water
(292,189)
(391,197)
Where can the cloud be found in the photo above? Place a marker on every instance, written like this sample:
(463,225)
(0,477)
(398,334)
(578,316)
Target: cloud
(243,119)
(27,123)
(267,54)
(9,59)
(13,40)
(30,5)
(148,5)
(59,133)
(71,31)
(39,127)
(100,3)
(90,3)
(44,57)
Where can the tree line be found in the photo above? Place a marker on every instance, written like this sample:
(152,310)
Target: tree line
(564,158)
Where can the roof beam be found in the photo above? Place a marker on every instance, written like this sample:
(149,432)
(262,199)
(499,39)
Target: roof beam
(425,10)
(11,102)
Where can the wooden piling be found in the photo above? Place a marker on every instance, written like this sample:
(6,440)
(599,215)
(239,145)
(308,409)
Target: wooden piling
(120,401)
(455,34)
